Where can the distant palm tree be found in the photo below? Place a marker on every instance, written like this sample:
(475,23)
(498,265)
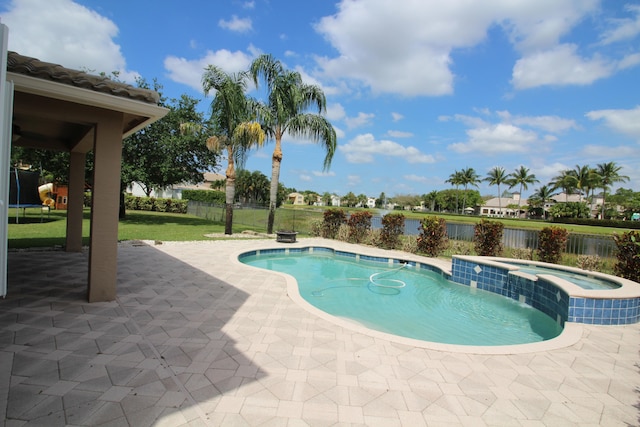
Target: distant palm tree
(521,177)
(455,179)
(497,176)
(567,181)
(469,177)
(231,127)
(582,175)
(609,174)
(285,112)
(543,195)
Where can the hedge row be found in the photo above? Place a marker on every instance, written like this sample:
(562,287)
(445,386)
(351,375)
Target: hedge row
(205,196)
(599,222)
(137,203)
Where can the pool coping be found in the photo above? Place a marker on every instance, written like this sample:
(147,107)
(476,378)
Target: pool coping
(571,334)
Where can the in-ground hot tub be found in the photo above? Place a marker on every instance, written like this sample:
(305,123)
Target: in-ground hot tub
(548,288)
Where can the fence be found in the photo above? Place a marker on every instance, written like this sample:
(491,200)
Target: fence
(300,221)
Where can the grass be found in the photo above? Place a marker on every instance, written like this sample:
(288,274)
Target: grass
(138,225)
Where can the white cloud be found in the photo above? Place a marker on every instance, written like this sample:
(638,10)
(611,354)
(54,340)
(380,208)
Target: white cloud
(364,148)
(362,119)
(500,138)
(553,124)
(189,71)
(623,29)
(396,116)
(66,33)
(239,25)
(305,177)
(319,173)
(629,61)
(626,122)
(399,134)
(388,46)
(335,112)
(353,180)
(560,65)
(606,153)
(416,178)
(249,5)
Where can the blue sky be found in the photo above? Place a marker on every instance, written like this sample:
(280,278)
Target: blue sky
(416,89)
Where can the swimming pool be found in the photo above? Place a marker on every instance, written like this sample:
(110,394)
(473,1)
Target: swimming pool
(406,299)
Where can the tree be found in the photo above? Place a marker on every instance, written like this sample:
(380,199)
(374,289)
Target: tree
(310,198)
(609,174)
(326,198)
(381,201)
(521,177)
(455,179)
(288,99)
(349,199)
(252,187)
(159,155)
(230,127)
(430,199)
(541,196)
(497,176)
(362,200)
(469,177)
(567,181)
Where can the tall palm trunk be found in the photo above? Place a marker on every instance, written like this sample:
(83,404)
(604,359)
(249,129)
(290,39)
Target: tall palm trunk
(276,161)
(230,192)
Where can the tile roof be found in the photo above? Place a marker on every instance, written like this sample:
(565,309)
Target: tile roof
(33,67)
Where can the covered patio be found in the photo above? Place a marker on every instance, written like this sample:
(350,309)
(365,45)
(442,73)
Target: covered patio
(56,108)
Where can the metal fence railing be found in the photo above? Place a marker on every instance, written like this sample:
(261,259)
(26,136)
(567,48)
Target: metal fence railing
(301,221)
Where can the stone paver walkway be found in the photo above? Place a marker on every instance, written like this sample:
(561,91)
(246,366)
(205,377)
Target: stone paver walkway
(196,339)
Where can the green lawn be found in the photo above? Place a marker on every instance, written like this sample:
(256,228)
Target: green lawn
(137,225)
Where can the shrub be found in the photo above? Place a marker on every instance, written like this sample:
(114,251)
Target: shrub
(551,243)
(392,229)
(333,219)
(410,244)
(206,196)
(589,262)
(457,247)
(343,233)
(374,238)
(359,224)
(433,236)
(152,204)
(522,253)
(628,255)
(487,238)
(315,227)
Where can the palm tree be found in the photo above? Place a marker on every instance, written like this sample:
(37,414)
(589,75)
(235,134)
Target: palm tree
(609,175)
(522,177)
(469,177)
(581,174)
(542,195)
(285,112)
(497,176)
(565,180)
(230,127)
(455,179)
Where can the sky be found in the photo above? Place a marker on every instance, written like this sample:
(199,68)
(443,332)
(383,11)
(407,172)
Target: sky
(416,89)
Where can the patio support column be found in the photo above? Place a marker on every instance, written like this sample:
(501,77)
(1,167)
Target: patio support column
(75,203)
(105,197)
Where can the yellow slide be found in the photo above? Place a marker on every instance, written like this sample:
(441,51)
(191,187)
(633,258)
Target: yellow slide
(45,194)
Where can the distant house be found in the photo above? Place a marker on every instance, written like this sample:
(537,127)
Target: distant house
(175,192)
(371,202)
(506,207)
(296,199)
(503,207)
(335,200)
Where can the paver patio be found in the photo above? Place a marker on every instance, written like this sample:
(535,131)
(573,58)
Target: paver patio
(194,339)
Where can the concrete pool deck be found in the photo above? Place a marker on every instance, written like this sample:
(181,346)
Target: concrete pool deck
(197,339)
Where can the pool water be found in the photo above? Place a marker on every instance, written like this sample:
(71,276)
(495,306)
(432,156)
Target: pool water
(411,303)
